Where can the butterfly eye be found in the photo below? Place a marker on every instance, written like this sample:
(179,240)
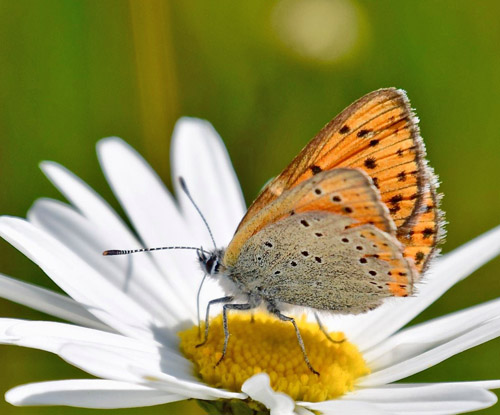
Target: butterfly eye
(212,265)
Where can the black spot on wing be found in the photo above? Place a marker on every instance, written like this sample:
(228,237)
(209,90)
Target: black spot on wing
(345,129)
(370,163)
(363,133)
(316,169)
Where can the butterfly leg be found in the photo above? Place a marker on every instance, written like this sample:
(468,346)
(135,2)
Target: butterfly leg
(282,317)
(207,315)
(226,307)
(322,328)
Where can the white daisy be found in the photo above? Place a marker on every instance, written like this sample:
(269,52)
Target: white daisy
(130,317)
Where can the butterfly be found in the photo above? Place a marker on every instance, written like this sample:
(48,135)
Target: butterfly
(352,220)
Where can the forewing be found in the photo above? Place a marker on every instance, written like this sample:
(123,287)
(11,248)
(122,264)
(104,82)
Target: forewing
(346,192)
(378,134)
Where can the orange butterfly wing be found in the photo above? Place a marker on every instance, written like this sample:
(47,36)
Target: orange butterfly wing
(378,134)
(341,191)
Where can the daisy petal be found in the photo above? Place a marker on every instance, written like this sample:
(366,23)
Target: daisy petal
(98,211)
(483,384)
(258,387)
(196,389)
(88,241)
(345,408)
(139,367)
(485,332)
(86,200)
(89,393)
(422,337)
(48,302)
(199,156)
(51,336)
(115,362)
(107,355)
(154,214)
(446,398)
(5,325)
(368,329)
(77,278)
(300,410)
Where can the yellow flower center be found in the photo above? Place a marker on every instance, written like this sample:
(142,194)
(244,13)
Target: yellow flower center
(269,345)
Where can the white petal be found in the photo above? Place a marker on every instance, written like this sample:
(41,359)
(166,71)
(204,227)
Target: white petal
(51,336)
(483,384)
(199,156)
(366,330)
(93,207)
(5,325)
(259,389)
(155,216)
(77,278)
(141,367)
(88,393)
(83,197)
(87,240)
(442,398)
(300,410)
(479,335)
(338,407)
(102,354)
(422,337)
(196,389)
(48,302)
(115,362)
(414,399)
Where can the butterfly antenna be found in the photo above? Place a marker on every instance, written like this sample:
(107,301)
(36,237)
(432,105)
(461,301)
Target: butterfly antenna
(133,251)
(185,189)
(198,304)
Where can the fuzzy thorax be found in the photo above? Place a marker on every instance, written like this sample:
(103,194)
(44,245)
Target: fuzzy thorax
(269,345)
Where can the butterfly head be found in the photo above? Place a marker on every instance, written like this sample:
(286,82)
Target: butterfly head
(211,262)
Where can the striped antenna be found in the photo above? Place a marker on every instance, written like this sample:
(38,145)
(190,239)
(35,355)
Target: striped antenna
(133,251)
(185,189)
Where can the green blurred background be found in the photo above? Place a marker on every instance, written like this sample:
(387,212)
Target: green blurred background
(268,75)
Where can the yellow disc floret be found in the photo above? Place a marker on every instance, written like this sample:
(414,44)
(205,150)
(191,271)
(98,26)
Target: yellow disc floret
(266,344)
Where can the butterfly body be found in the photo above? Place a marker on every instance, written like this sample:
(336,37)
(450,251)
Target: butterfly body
(352,220)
